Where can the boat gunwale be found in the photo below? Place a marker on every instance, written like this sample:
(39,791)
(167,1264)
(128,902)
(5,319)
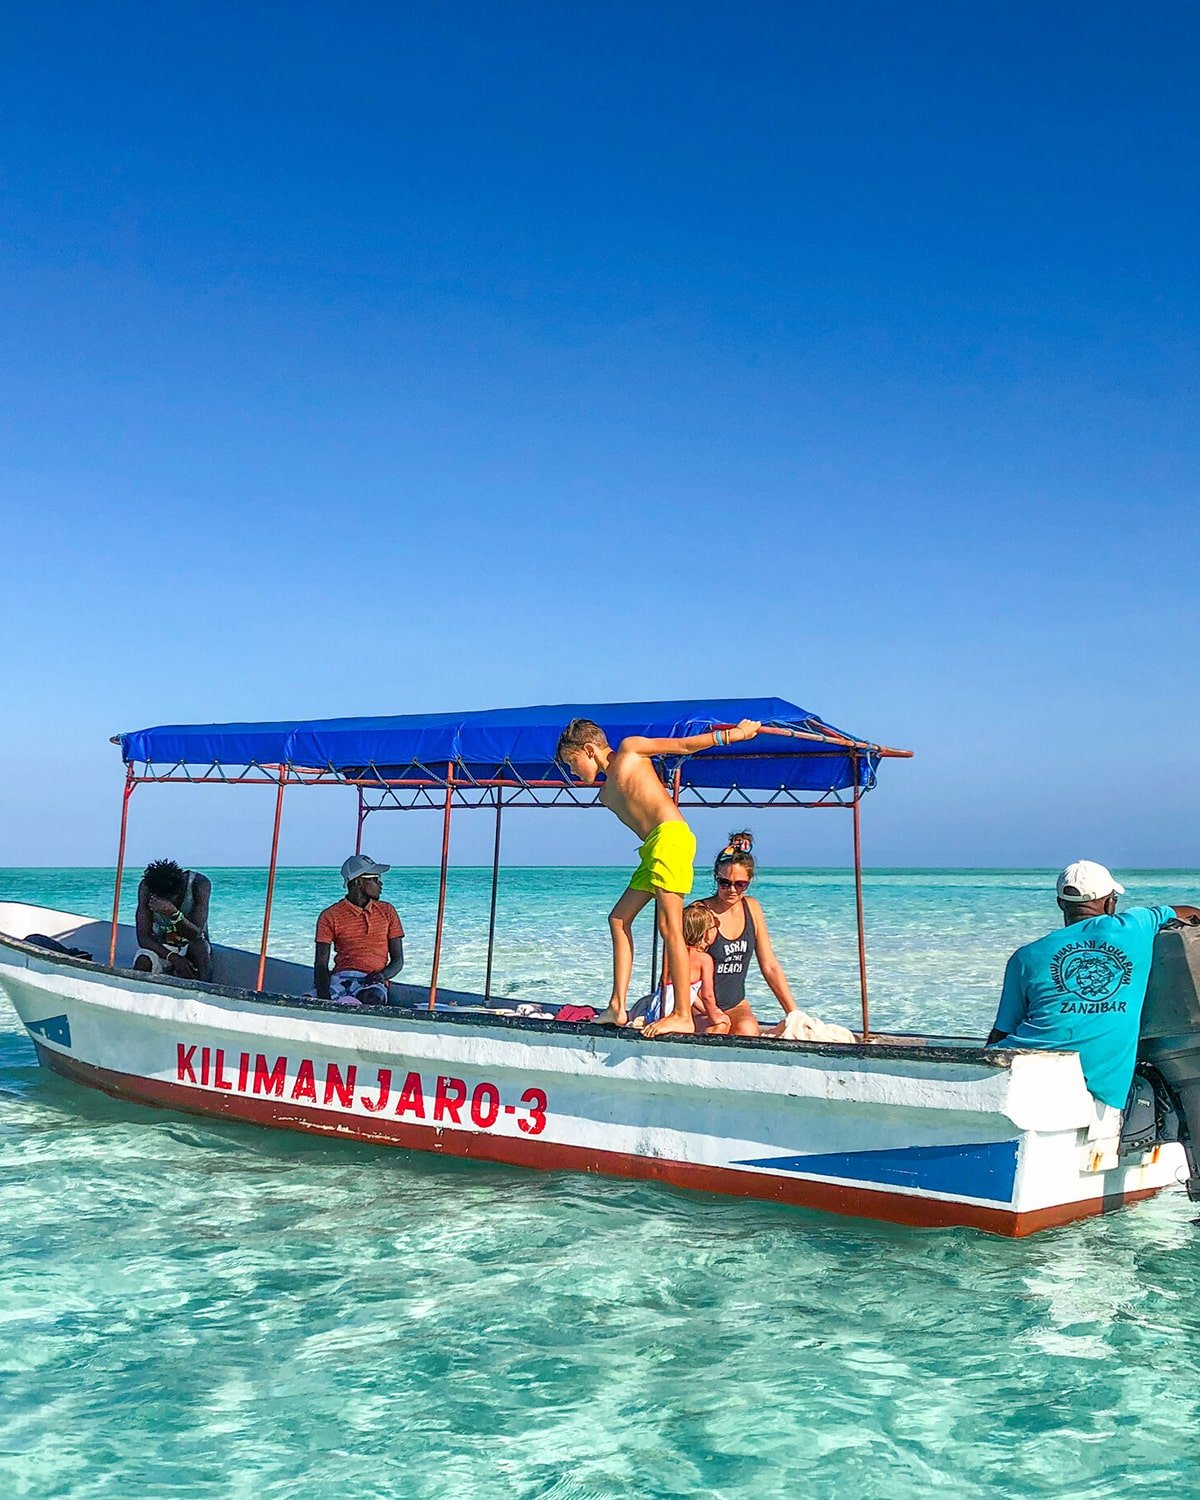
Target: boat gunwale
(978,1054)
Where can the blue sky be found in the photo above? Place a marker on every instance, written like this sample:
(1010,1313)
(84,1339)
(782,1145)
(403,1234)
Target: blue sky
(390,358)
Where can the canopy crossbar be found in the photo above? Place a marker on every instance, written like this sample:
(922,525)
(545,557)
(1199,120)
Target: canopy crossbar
(506,758)
(419,786)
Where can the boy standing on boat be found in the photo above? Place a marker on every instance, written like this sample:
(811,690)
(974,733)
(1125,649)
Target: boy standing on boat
(633,791)
(366,937)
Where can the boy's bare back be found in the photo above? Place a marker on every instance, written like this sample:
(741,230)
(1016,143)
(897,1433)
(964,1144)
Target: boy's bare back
(631,787)
(633,791)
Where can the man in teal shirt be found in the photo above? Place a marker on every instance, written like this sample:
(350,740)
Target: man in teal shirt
(1082,990)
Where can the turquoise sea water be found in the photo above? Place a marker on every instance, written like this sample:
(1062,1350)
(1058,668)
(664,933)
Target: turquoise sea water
(190,1309)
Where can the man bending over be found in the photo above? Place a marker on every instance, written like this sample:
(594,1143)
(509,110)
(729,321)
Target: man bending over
(172,922)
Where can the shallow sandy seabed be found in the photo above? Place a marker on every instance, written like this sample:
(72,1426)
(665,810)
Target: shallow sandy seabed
(203,1310)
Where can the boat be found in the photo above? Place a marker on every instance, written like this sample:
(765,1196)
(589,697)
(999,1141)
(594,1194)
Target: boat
(933,1131)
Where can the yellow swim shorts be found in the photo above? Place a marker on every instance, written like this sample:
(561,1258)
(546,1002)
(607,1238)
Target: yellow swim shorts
(666,860)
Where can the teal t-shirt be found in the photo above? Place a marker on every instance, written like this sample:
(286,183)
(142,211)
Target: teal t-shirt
(1081,989)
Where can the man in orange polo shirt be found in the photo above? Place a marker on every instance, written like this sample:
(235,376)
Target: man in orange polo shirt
(366,936)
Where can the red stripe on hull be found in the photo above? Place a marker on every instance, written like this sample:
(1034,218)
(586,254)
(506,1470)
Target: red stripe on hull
(548,1156)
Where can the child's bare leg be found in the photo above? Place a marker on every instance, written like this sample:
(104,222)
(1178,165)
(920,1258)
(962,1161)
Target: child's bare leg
(670,924)
(620,925)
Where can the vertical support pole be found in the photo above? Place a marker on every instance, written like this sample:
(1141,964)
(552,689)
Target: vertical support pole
(361,818)
(112,943)
(487,983)
(675,780)
(266,928)
(858,902)
(441,911)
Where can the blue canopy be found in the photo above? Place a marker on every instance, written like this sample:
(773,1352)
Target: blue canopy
(520,743)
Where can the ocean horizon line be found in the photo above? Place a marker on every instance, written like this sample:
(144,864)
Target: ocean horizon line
(624,864)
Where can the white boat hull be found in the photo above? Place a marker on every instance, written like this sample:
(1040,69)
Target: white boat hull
(932,1132)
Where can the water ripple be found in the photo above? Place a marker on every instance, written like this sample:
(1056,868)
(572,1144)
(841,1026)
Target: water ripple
(199,1309)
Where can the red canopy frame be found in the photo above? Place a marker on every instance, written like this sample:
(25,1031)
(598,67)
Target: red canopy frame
(432,790)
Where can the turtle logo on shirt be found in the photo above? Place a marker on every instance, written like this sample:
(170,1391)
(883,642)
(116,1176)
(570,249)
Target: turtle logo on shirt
(1092,970)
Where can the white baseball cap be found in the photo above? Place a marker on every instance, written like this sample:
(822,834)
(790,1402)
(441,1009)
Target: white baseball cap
(359,865)
(1087,881)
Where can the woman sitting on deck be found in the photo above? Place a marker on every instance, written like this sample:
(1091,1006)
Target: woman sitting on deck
(742,936)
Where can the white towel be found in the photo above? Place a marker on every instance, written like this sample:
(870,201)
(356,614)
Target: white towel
(798,1027)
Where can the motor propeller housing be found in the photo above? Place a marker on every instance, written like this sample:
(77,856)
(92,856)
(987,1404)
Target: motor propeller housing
(1170,1031)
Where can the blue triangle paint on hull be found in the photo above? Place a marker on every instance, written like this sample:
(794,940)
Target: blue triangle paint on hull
(54,1029)
(973,1171)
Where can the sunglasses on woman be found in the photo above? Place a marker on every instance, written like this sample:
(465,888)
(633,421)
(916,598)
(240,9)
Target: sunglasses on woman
(732,885)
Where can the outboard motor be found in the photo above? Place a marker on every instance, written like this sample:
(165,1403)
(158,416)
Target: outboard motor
(1170,1033)
(1150,1118)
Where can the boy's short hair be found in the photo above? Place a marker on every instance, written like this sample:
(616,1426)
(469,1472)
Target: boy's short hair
(577,734)
(697,919)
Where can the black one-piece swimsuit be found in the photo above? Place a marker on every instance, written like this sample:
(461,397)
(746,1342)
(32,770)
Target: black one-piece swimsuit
(731,963)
